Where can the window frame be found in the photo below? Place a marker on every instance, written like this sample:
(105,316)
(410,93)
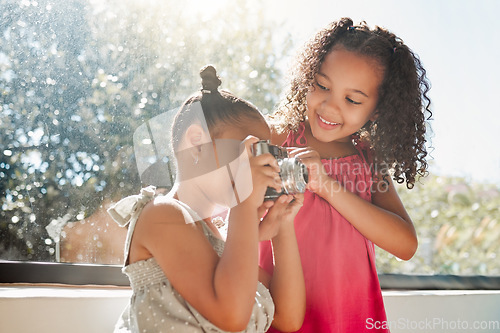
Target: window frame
(61,273)
(106,275)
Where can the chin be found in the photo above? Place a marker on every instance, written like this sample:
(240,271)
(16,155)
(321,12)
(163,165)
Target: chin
(322,135)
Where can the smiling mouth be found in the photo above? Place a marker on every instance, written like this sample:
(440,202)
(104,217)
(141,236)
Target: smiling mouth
(323,120)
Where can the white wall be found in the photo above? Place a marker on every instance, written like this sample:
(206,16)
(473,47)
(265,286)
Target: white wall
(54,310)
(443,311)
(62,309)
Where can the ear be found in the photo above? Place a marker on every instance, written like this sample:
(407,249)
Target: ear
(374,116)
(195,136)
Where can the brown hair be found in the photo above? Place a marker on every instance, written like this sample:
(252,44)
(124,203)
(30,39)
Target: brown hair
(397,136)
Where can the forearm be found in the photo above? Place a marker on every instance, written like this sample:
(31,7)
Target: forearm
(236,274)
(388,230)
(287,283)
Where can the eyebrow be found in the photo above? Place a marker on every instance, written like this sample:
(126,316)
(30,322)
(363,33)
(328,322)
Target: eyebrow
(359,92)
(353,90)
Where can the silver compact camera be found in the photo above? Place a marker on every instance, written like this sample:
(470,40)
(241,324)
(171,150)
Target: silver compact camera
(293,173)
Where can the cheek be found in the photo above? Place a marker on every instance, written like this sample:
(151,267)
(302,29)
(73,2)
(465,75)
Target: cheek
(373,116)
(358,119)
(222,193)
(311,101)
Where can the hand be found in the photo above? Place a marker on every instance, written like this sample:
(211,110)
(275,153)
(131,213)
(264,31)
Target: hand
(280,215)
(262,210)
(318,178)
(264,173)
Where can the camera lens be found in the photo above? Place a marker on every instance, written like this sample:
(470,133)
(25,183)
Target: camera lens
(294,176)
(293,173)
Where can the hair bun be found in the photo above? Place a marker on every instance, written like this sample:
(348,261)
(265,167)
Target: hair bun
(209,79)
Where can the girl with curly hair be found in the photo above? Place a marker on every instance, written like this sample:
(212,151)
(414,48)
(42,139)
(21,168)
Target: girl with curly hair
(355,114)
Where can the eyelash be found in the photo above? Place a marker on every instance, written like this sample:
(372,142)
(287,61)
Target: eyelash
(347,98)
(321,87)
(351,101)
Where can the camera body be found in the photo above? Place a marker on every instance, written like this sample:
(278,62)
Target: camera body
(293,173)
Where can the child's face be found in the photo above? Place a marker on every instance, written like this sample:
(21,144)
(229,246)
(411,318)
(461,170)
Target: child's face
(218,186)
(344,95)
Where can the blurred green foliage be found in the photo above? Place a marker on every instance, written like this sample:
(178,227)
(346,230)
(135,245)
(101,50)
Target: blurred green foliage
(78,77)
(458,226)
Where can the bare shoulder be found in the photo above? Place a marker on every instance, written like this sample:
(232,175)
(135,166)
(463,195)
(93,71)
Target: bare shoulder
(160,224)
(163,210)
(152,217)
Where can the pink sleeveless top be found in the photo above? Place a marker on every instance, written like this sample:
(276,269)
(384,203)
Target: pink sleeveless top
(342,288)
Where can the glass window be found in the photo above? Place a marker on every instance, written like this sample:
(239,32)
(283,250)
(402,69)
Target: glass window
(83,83)
(457,222)
(79,80)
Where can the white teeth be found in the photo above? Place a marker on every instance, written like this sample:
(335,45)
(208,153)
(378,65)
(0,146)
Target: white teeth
(326,121)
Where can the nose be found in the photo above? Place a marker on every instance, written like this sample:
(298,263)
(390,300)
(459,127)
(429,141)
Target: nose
(331,104)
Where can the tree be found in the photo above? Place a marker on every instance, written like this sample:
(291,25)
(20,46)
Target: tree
(458,226)
(77,78)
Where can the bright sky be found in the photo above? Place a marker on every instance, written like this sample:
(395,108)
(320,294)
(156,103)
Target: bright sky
(459,45)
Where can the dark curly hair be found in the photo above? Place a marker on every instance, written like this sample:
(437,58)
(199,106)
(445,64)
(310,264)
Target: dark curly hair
(397,136)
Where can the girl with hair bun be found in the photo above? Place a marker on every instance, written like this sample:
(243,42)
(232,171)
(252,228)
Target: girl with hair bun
(356,110)
(184,276)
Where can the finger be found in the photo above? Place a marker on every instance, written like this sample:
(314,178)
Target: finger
(309,162)
(248,143)
(276,183)
(266,159)
(264,207)
(314,165)
(271,179)
(283,201)
(268,204)
(298,199)
(301,155)
(270,175)
(279,206)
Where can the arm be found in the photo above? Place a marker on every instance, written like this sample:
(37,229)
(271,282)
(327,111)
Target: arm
(221,289)
(287,281)
(384,221)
